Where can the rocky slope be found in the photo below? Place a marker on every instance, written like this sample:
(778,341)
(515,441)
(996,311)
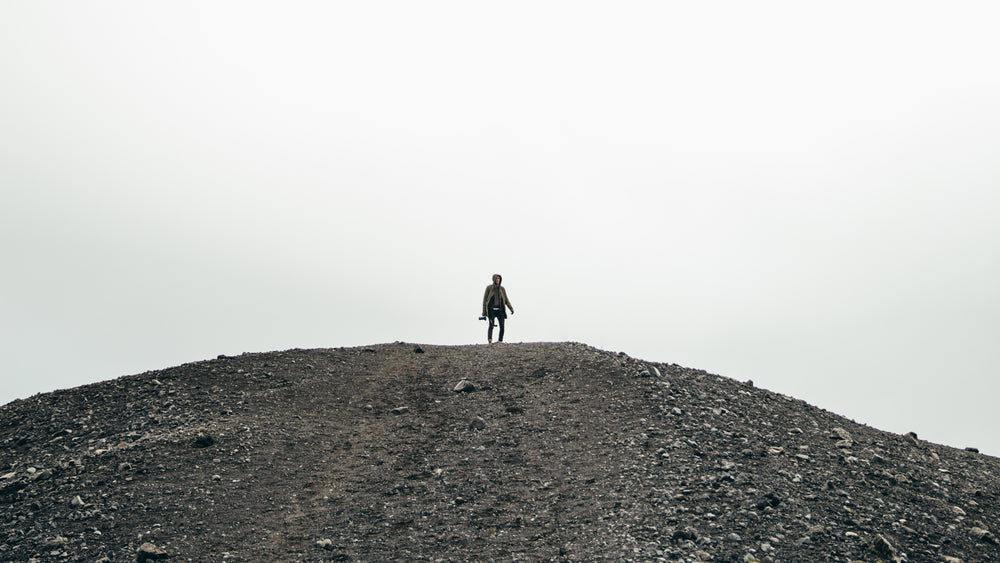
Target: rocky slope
(546,452)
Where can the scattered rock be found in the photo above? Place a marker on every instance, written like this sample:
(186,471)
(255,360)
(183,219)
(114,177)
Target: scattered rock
(841,434)
(418,350)
(203,440)
(983,535)
(477,423)
(881,547)
(149,552)
(35,475)
(464,386)
(400,410)
(911,437)
(686,533)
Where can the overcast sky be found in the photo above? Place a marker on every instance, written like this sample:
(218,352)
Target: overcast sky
(802,194)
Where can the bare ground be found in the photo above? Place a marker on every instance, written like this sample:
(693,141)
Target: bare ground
(560,452)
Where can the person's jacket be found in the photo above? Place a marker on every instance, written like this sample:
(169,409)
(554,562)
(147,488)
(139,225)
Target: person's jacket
(488,298)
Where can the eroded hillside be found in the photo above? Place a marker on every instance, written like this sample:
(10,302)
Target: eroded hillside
(548,452)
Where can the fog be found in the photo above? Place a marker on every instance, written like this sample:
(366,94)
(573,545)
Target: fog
(805,196)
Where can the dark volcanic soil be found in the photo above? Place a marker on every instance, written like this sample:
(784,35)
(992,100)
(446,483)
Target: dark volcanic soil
(560,452)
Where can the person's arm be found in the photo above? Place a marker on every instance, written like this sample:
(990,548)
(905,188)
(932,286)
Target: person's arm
(507,301)
(486,298)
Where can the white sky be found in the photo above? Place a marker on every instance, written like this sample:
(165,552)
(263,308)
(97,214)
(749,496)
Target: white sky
(802,195)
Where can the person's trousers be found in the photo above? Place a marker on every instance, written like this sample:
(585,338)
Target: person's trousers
(499,315)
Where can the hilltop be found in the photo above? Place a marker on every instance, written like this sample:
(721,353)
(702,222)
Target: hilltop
(542,451)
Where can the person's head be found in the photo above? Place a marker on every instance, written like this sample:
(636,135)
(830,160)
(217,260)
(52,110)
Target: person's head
(497,278)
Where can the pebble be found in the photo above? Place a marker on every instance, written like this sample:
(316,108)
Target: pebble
(149,552)
(203,440)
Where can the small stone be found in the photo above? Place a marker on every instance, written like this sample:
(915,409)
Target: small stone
(400,410)
(950,559)
(216,477)
(464,386)
(203,440)
(477,423)
(983,535)
(149,552)
(77,501)
(972,450)
(882,547)
(688,533)
(418,350)
(911,437)
(10,475)
(841,434)
(734,537)
(676,411)
(957,510)
(325,543)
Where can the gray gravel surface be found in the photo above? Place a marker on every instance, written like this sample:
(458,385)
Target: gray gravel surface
(540,451)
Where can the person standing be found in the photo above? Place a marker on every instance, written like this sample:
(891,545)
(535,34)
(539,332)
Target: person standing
(495,303)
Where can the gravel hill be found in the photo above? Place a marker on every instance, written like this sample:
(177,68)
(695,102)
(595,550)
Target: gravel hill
(544,451)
